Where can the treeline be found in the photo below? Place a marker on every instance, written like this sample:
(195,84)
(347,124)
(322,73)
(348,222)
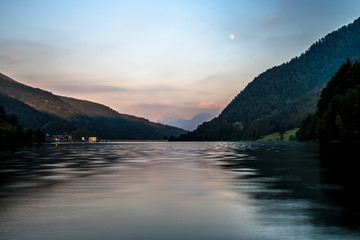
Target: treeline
(11,132)
(337,117)
(281,97)
(29,117)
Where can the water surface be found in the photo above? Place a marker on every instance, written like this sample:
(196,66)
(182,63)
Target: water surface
(208,190)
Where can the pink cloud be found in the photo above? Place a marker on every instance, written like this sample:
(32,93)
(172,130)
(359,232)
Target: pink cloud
(152,105)
(14,60)
(211,105)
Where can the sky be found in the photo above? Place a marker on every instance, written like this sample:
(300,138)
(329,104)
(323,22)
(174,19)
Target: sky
(158,59)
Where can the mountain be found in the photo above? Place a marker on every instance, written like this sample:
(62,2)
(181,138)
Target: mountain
(30,118)
(11,132)
(338,109)
(36,108)
(190,124)
(281,97)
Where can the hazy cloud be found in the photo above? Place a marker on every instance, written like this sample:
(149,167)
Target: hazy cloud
(70,87)
(211,105)
(271,19)
(6,60)
(14,60)
(155,106)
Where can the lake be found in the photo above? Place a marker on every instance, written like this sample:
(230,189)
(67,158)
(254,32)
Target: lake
(180,190)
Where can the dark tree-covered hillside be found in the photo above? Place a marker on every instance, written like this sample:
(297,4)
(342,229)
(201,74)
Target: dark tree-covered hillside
(11,132)
(36,108)
(338,110)
(281,97)
(29,117)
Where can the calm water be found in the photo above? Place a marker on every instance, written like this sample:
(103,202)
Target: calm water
(241,190)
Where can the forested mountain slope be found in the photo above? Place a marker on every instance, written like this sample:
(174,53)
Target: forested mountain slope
(281,97)
(11,132)
(338,111)
(36,108)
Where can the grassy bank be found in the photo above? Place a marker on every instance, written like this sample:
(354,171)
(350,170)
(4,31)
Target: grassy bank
(288,136)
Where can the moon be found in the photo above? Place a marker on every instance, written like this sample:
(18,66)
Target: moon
(232,36)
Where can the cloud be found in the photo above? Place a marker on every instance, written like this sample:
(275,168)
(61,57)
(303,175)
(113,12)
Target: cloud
(15,60)
(91,87)
(83,88)
(211,105)
(271,19)
(61,84)
(153,106)
(209,79)
(6,59)
(70,84)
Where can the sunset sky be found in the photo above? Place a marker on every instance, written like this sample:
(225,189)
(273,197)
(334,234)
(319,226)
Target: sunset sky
(161,60)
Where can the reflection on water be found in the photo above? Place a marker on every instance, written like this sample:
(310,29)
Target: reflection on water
(215,190)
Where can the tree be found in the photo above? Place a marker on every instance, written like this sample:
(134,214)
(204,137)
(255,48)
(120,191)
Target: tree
(338,109)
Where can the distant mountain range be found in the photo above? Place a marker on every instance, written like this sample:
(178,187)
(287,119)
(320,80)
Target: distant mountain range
(36,108)
(281,97)
(190,124)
